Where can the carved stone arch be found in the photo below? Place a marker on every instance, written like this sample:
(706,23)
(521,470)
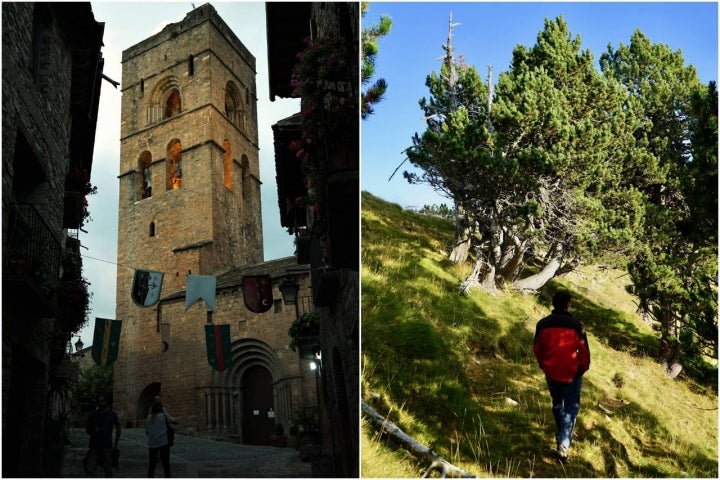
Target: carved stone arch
(248,352)
(166,100)
(234,105)
(224,406)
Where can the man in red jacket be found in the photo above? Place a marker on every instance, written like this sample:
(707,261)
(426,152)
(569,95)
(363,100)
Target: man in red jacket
(562,351)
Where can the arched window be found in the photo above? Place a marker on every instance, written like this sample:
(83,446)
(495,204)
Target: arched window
(173,162)
(234,106)
(165,101)
(227,165)
(145,174)
(246,180)
(173,104)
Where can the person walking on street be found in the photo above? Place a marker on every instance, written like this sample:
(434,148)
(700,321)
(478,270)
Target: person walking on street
(101,422)
(562,351)
(156,427)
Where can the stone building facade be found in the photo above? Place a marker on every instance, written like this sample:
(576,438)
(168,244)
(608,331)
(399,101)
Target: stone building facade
(190,205)
(317,42)
(52,69)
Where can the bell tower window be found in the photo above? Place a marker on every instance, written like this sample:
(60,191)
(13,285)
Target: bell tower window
(234,106)
(145,176)
(174,165)
(165,101)
(172,103)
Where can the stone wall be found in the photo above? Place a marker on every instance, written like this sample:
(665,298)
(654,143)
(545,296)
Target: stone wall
(37,63)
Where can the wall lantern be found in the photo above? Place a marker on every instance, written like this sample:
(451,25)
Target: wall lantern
(289,291)
(79,345)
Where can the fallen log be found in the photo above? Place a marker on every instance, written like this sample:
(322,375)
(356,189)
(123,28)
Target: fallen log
(413,446)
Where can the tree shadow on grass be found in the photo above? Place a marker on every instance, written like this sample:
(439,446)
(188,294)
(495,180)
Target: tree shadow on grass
(609,326)
(654,455)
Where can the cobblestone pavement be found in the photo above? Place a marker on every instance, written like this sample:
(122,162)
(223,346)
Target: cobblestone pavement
(192,457)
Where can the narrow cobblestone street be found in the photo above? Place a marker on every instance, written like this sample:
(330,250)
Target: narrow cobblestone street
(192,457)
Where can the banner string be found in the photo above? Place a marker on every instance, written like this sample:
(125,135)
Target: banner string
(317,269)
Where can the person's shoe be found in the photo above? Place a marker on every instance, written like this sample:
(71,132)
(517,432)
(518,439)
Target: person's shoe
(562,452)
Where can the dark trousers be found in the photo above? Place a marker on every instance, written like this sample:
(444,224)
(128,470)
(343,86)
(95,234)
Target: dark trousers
(565,407)
(164,453)
(98,456)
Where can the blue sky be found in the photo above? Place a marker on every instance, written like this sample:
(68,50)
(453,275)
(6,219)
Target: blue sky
(127,23)
(487,34)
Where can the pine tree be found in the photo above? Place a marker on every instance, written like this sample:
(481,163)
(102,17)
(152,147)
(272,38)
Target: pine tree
(372,94)
(674,274)
(539,167)
(456,118)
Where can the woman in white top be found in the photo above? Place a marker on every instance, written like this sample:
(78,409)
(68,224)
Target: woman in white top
(156,426)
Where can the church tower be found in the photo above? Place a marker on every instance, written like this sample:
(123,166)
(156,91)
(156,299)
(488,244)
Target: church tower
(189,196)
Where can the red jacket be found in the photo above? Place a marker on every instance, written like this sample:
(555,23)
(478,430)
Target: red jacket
(561,347)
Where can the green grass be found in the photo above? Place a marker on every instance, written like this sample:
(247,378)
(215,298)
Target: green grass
(441,366)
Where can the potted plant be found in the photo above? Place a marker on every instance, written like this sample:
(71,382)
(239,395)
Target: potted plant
(77,188)
(304,332)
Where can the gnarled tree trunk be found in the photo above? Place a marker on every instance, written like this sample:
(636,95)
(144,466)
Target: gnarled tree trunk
(535,282)
(463,235)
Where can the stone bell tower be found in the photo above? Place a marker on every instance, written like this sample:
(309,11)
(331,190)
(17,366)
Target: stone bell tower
(189,181)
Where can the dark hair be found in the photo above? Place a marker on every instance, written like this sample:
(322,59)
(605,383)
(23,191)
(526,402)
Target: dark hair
(157,407)
(561,300)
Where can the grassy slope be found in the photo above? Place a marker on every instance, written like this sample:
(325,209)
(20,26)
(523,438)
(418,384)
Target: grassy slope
(441,366)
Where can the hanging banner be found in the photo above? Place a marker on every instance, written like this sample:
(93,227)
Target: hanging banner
(200,287)
(217,338)
(165,336)
(146,287)
(106,341)
(257,293)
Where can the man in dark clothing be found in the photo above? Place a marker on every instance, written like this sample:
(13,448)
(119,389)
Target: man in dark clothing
(100,425)
(562,351)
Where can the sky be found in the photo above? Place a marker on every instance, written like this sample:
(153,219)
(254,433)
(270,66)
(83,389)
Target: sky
(126,24)
(486,35)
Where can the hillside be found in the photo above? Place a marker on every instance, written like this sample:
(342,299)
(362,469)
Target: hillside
(443,366)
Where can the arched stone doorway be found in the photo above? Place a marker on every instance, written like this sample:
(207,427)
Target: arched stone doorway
(255,366)
(258,406)
(144,402)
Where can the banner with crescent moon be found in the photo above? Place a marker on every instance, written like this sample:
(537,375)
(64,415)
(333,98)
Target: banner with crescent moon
(257,293)
(106,341)
(165,336)
(219,352)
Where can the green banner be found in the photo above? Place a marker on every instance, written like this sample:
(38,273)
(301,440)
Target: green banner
(219,350)
(106,341)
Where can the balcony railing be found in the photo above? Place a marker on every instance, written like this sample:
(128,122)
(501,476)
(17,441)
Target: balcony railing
(305,305)
(32,262)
